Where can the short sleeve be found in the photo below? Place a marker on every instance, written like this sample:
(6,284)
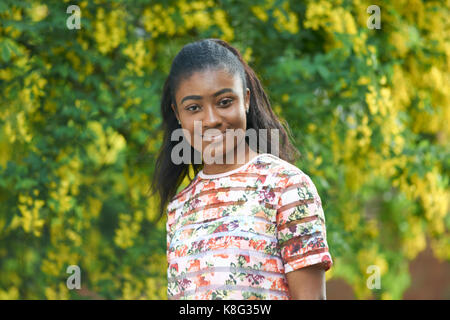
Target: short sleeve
(301,227)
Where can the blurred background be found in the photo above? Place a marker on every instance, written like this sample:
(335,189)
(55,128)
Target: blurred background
(369,109)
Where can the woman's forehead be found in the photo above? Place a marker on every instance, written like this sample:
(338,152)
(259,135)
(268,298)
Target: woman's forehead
(209,81)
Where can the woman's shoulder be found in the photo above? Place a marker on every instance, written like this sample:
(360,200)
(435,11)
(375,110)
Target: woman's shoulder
(270,164)
(280,173)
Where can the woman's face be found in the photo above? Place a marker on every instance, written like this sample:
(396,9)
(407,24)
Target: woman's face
(215,99)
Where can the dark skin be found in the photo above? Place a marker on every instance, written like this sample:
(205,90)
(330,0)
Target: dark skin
(307,283)
(217,99)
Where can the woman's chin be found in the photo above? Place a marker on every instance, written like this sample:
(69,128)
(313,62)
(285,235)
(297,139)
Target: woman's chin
(216,154)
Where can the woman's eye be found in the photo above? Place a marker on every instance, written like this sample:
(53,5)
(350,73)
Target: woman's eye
(228,101)
(189,108)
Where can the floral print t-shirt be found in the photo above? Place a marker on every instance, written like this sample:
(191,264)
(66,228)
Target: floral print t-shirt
(236,234)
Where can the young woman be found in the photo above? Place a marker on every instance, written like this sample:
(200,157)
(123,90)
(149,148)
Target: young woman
(248,229)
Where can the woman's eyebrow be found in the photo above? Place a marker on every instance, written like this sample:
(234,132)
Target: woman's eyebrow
(214,95)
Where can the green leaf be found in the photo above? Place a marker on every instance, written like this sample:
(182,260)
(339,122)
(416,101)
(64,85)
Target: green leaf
(323,71)
(6,52)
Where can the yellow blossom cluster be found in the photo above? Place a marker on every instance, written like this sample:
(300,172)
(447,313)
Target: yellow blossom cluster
(9,294)
(137,54)
(15,14)
(441,247)
(110,29)
(360,44)
(260,13)
(385,114)
(414,78)
(247,55)
(129,227)
(58,259)
(21,131)
(157,20)
(107,146)
(59,292)
(16,116)
(70,181)
(285,19)
(30,220)
(324,14)
(434,198)
(153,286)
(401,88)
(38,12)
(414,240)
(350,217)
(436,84)
(220,18)
(371,256)
(290,23)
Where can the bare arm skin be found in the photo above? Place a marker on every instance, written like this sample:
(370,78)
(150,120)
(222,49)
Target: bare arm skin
(307,283)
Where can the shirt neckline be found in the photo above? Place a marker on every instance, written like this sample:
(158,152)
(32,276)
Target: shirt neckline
(227,173)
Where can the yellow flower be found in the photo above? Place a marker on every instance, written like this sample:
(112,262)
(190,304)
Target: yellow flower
(312,127)
(359,43)
(363,80)
(136,52)
(107,146)
(202,20)
(221,21)
(10,294)
(259,13)
(128,229)
(381,263)
(372,228)
(6,74)
(247,56)
(109,29)
(38,12)
(30,220)
(386,296)
(350,26)
(282,23)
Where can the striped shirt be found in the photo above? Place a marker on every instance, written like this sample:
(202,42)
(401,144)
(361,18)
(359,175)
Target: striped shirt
(235,235)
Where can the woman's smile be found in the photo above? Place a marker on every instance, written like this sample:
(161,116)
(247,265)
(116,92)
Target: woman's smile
(214,137)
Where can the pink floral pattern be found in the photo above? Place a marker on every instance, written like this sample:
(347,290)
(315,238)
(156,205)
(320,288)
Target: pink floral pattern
(236,235)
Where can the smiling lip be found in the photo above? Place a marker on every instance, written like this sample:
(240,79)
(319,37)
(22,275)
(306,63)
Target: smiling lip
(216,137)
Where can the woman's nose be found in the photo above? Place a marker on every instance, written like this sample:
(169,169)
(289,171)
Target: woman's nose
(211,117)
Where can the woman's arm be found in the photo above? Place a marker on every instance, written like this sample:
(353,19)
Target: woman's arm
(307,283)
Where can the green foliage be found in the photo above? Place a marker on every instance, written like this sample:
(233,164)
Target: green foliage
(80,127)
